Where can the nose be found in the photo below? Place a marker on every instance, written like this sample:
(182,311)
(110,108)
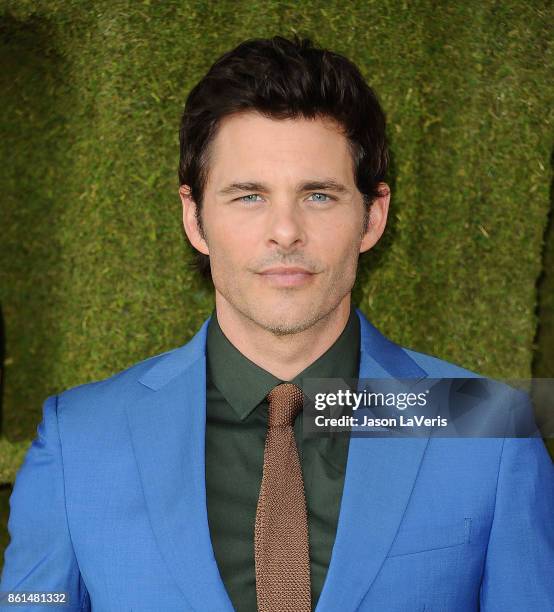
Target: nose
(286,225)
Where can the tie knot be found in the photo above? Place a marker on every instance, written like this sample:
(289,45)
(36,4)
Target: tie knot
(285,402)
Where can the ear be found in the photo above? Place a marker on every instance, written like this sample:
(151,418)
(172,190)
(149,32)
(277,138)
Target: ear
(190,222)
(377,218)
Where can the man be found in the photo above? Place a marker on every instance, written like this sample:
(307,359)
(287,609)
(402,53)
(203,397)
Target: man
(185,483)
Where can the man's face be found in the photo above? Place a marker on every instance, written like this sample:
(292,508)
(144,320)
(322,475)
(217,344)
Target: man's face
(270,202)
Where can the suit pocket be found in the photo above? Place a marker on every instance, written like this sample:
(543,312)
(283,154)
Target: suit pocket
(431,537)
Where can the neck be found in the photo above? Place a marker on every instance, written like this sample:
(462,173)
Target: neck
(286,355)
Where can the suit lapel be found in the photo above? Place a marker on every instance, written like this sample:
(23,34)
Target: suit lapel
(168,434)
(380,475)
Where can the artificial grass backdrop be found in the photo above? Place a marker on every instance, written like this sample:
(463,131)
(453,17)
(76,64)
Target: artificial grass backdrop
(94,260)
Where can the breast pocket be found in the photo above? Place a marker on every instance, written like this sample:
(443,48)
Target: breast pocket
(426,537)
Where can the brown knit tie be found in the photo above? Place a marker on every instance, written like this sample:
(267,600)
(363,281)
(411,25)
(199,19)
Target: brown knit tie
(281,532)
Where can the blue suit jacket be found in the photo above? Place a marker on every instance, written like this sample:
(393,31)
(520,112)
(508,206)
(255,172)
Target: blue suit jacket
(110,503)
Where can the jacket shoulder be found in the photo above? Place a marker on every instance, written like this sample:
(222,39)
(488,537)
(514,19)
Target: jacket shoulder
(124,383)
(440,368)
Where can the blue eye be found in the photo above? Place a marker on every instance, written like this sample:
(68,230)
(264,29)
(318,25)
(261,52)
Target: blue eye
(322,194)
(252,195)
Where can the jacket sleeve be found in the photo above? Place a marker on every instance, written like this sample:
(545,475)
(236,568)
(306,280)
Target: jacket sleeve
(40,556)
(519,566)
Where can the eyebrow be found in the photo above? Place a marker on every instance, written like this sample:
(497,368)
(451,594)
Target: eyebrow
(325,184)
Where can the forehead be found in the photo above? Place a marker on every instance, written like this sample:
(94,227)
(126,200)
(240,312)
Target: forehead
(250,146)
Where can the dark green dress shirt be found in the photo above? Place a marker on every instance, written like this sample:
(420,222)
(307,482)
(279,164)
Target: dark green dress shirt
(236,425)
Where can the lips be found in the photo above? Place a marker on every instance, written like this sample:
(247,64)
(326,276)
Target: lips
(286,271)
(287,277)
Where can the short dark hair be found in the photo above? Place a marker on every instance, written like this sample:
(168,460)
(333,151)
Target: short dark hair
(282,79)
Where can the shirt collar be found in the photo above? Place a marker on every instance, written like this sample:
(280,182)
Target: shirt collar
(245,385)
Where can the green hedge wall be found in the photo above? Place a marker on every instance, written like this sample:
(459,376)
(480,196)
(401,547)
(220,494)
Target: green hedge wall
(93,264)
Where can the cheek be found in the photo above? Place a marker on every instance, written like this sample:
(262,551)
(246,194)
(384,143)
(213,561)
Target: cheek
(230,246)
(338,242)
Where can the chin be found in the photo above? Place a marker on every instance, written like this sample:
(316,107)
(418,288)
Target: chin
(285,328)
(291,321)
